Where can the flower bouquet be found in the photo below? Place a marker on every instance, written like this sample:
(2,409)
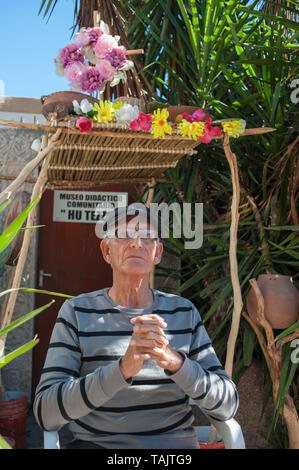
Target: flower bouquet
(195,126)
(93,59)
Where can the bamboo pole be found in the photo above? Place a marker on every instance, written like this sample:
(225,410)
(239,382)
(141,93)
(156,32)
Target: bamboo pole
(238,303)
(37,191)
(27,170)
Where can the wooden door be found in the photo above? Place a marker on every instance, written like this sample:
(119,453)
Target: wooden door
(69,262)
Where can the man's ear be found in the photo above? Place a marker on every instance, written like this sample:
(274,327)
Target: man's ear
(105,249)
(158,254)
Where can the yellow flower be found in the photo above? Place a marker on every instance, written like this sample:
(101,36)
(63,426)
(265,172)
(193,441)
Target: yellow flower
(234,128)
(104,110)
(117,105)
(159,123)
(191,129)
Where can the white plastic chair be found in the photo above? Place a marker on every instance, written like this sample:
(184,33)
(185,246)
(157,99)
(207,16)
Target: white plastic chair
(229,432)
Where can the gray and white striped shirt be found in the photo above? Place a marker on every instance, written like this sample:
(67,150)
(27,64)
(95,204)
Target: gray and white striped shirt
(81,382)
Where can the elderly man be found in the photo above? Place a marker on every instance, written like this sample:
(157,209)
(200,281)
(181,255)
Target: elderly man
(123,361)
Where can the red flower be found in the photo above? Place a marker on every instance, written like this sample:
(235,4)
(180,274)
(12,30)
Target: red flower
(84,124)
(209,132)
(143,122)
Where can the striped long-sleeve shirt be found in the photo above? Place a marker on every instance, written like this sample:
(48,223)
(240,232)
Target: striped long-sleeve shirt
(81,382)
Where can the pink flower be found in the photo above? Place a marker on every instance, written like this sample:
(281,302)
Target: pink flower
(88,36)
(188,117)
(134,125)
(104,44)
(92,80)
(71,54)
(198,115)
(209,132)
(84,124)
(94,34)
(117,57)
(105,68)
(82,38)
(143,122)
(74,71)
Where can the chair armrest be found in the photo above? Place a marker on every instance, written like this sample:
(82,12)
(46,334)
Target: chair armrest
(231,433)
(51,440)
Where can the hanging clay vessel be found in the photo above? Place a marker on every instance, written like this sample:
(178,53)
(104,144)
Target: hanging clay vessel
(281,300)
(61,102)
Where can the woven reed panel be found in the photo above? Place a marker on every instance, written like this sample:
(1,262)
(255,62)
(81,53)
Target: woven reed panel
(113,152)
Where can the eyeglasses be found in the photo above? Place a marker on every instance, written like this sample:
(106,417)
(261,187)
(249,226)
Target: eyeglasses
(146,234)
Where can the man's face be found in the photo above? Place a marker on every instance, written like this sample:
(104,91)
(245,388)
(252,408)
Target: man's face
(133,253)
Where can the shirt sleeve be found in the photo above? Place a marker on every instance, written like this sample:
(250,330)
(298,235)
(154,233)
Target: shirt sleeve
(62,395)
(203,378)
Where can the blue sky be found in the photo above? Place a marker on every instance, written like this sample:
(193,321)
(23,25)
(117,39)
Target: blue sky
(28,45)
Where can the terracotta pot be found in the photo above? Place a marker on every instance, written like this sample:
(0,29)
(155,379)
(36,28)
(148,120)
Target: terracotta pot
(61,102)
(13,414)
(211,445)
(281,300)
(175,111)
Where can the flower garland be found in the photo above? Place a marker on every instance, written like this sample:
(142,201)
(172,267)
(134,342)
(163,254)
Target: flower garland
(92,60)
(194,126)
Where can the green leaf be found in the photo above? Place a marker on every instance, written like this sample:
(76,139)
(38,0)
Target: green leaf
(4,444)
(36,291)
(288,331)
(17,352)
(10,232)
(4,205)
(24,318)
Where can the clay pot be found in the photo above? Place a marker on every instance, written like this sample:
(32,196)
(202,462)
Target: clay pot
(175,111)
(13,414)
(61,103)
(281,300)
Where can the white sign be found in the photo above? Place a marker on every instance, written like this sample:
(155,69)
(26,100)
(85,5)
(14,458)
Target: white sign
(85,206)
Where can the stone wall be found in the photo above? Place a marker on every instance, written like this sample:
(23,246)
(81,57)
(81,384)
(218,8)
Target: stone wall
(15,152)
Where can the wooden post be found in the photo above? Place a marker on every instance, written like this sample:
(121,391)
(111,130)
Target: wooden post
(238,303)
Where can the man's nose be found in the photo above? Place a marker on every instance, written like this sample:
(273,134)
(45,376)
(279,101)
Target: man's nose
(136,242)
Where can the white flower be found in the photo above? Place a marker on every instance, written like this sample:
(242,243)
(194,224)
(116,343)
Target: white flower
(86,106)
(36,144)
(83,108)
(129,65)
(90,55)
(116,79)
(127,113)
(104,27)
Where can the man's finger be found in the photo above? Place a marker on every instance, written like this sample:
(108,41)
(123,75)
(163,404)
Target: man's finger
(147,328)
(153,353)
(152,319)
